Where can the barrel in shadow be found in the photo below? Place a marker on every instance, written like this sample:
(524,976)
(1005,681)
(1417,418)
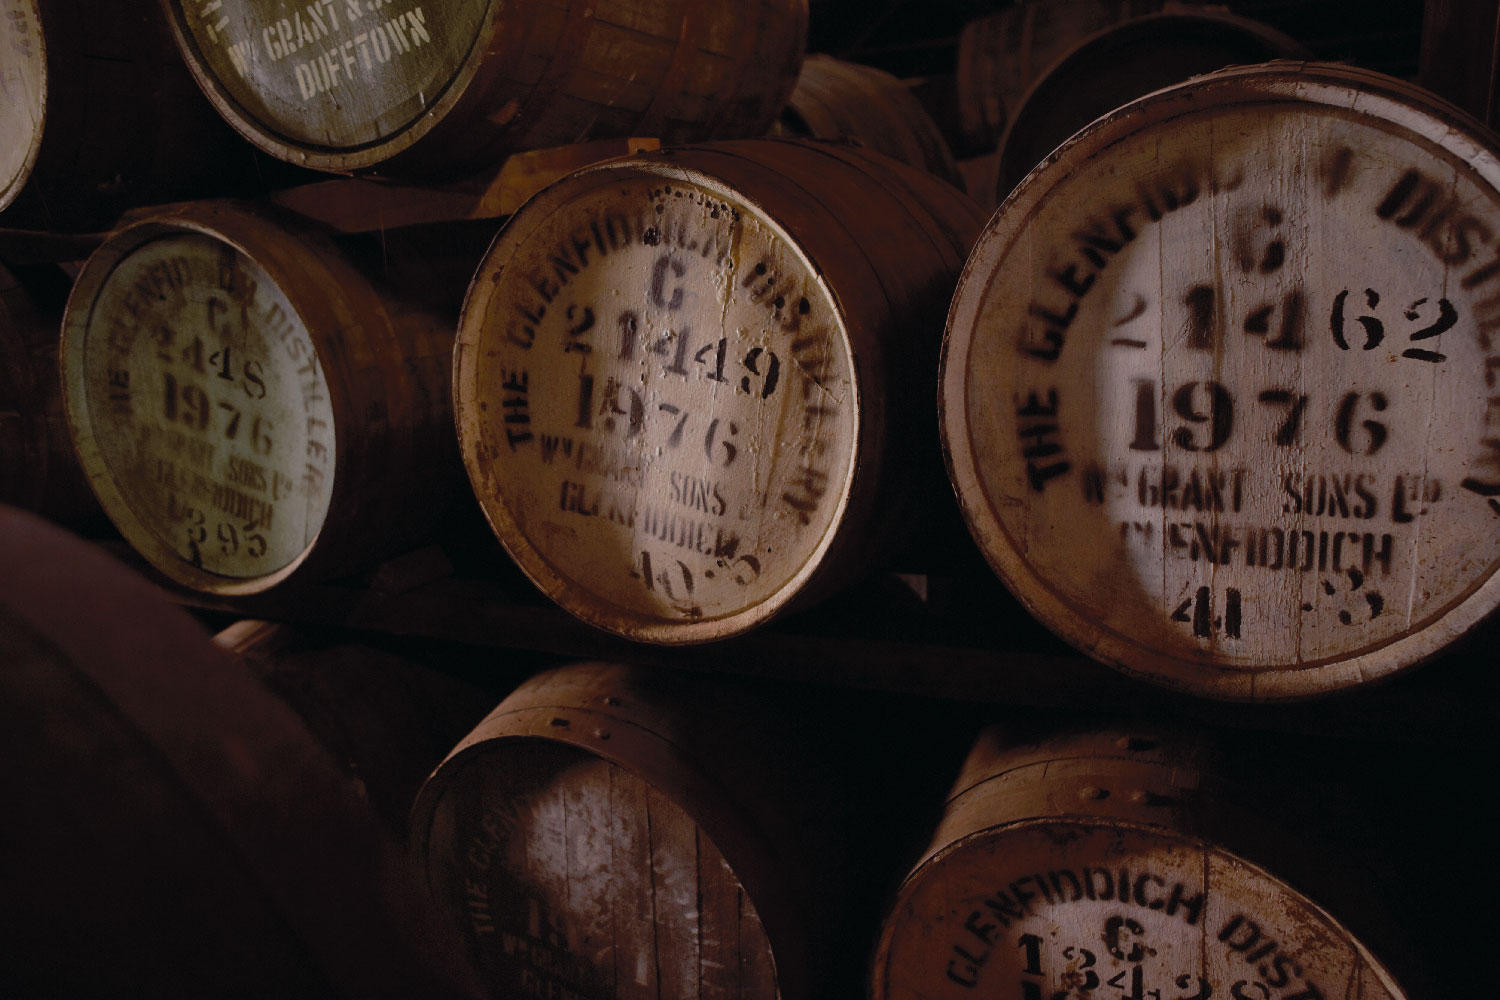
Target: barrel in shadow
(1002,53)
(173,829)
(38,468)
(835,99)
(1119,63)
(386,710)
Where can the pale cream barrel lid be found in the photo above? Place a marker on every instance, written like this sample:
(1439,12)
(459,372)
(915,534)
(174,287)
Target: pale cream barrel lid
(1218,389)
(664,447)
(23,94)
(199,407)
(1051,908)
(335,84)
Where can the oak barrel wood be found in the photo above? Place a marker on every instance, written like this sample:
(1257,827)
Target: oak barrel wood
(172,829)
(835,99)
(250,404)
(1102,861)
(1124,61)
(1225,421)
(691,387)
(420,88)
(611,831)
(98,114)
(1002,53)
(38,468)
(386,711)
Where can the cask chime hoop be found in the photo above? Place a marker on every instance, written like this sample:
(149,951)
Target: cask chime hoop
(1272,569)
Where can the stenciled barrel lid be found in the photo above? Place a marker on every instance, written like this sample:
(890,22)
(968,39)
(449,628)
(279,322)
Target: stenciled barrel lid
(656,402)
(1064,907)
(23,94)
(198,404)
(1218,384)
(335,84)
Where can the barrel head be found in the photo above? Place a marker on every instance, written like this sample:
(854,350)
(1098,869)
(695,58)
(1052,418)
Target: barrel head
(1217,390)
(199,407)
(657,402)
(322,81)
(1054,906)
(23,87)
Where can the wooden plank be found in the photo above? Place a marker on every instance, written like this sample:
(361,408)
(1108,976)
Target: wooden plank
(357,205)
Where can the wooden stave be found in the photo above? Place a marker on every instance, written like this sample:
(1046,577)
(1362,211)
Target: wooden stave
(113,82)
(884,351)
(1033,127)
(836,99)
(1147,783)
(1444,123)
(485,114)
(233,858)
(391,476)
(40,469)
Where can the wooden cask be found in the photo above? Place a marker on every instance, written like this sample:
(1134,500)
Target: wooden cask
(618,832)
(386,711)
(1103,862)
(1216,391)
(692,386)
(98,114)
(1001,54)
(416,88)
(835,99)
(38,468)
(1119,63)
(249,404)
(172,829)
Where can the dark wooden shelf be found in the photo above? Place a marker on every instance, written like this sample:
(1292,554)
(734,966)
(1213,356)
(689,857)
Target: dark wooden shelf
(958,637)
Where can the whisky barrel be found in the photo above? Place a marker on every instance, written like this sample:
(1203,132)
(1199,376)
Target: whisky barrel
(98,114)
(611,831)
(416,88)
(172,830)
(386,711)
(692,386)
(1107,861)
(1221,418)
(38,468)
(1124,61)
(248,404)
(1001,54)
(835,99)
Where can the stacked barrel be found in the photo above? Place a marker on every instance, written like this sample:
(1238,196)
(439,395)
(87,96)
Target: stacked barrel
(633,332)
